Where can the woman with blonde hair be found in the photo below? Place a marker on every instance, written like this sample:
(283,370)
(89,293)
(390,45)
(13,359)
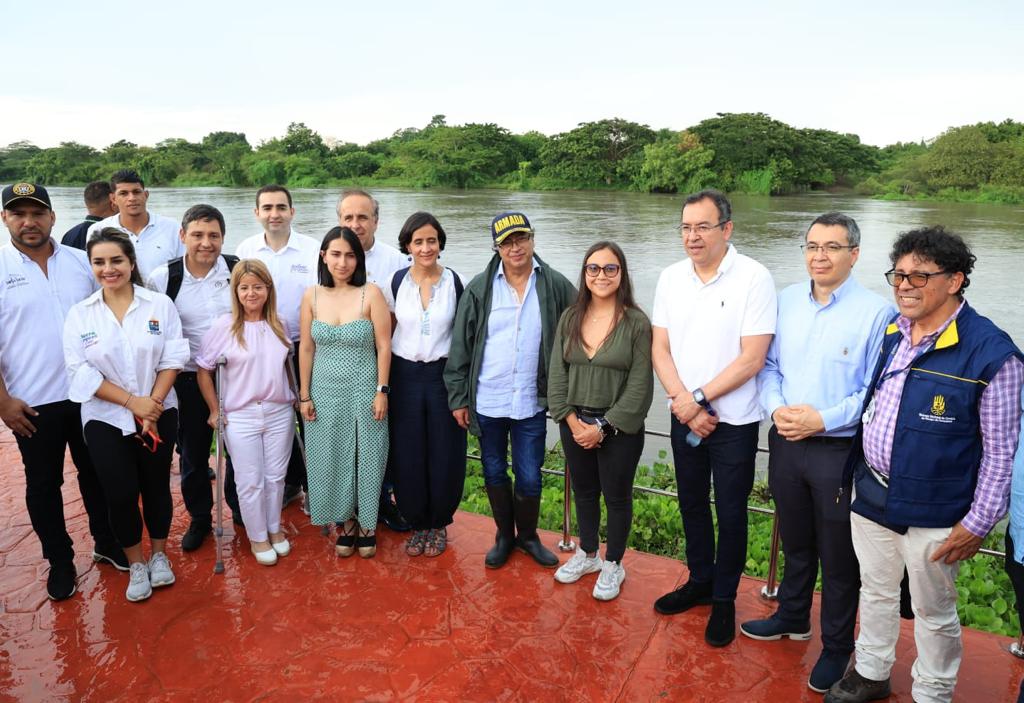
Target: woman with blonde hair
(258,402)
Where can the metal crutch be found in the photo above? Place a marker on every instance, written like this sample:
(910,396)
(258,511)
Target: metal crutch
(218,568)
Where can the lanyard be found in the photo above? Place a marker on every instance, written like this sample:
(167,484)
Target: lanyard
(889,374)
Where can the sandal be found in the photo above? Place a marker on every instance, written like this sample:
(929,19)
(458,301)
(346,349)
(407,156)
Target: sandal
(414,547)
(366,543)
(345,545)
(437,542)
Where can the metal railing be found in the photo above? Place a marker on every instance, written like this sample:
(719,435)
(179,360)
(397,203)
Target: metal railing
(770,590)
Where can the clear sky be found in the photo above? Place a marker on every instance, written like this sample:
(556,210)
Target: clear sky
(888,71)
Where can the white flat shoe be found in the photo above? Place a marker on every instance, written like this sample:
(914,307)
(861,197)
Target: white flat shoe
(283,548)
(267,558)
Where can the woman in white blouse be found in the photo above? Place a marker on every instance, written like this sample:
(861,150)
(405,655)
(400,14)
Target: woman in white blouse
(123,347)
(259,423)
(428,448)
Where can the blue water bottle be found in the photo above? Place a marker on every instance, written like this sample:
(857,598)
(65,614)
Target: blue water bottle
(692,438)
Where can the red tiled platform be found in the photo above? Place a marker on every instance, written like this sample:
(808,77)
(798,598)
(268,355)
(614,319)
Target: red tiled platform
(316,627)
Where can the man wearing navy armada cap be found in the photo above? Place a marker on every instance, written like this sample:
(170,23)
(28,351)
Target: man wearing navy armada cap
(497,378)
(39,282)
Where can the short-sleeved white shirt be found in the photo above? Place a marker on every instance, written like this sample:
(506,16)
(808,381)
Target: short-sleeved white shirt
(33,307)
(158,242)
(200,301)
(130,354)
(705,322)
(293,269)
(423,335)
(381,263)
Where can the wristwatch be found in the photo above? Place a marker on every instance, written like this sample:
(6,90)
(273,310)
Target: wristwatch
(700,399)
(384,389)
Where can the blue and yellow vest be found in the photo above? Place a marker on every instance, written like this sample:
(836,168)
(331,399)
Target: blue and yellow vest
(937,447)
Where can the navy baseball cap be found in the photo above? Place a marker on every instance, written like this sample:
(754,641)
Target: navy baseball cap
(509,223)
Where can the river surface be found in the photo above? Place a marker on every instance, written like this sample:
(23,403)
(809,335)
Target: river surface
(767,229)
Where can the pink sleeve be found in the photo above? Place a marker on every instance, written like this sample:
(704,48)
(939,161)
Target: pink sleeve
(215,343)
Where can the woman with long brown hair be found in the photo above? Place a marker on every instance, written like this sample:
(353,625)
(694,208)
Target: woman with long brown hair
(600,386)
(258,402)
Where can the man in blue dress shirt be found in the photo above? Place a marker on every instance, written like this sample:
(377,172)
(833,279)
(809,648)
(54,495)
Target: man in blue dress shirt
(813,385)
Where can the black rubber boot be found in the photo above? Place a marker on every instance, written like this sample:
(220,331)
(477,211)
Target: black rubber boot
(505,539)
(527,512)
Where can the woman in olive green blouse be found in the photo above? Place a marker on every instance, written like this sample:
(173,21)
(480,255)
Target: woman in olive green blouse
(599,388)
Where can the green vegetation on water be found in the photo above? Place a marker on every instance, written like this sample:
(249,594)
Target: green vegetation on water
(736,152)
(987,601)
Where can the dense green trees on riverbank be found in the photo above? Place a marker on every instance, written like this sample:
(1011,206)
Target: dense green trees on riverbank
(747,152)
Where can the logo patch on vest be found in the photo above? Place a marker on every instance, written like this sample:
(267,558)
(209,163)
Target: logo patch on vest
(937,413)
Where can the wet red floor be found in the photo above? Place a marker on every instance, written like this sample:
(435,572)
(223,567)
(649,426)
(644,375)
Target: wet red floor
(316,627)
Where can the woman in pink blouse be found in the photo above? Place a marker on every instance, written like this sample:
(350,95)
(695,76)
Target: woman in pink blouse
(258,418)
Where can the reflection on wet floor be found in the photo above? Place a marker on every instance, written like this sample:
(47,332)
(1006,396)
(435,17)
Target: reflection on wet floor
(316,627)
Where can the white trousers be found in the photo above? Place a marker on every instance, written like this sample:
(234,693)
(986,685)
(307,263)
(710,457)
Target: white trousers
(882,554)
(259,438)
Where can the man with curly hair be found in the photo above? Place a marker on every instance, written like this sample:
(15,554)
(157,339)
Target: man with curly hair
(931,464)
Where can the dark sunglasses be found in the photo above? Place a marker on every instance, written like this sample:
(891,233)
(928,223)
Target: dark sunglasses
(610,270)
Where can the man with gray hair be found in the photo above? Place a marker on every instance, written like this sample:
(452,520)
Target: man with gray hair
(812,386)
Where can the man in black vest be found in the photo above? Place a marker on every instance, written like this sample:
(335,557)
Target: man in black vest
(199,284)
(99,204)
(931,464)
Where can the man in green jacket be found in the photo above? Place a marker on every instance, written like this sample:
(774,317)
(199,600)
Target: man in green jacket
(496,377)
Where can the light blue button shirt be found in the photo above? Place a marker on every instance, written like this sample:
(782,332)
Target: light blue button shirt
(823,355)
(507,386)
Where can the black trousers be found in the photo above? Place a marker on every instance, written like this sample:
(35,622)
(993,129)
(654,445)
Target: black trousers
(59,427)
(194,439)
(606,470)
(725,458)
(804,478)
(128,470)
(428,448)
(296,475)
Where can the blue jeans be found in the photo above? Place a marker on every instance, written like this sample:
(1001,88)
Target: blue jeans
(527,451)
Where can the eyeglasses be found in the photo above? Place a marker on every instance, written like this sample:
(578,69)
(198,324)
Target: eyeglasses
(519,240)
(702,228)
(830,248)
(917,280)
(610,270)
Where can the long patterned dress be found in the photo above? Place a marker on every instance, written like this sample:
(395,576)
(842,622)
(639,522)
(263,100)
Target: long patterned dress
(346,447)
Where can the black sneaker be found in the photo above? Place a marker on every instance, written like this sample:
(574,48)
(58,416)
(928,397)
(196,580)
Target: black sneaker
(111,554)
(195,535)
(291,494)
(684,598)
(61,582)
(854,688)
(721,629)
(392,518)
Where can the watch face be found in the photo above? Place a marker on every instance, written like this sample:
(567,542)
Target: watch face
(698,396)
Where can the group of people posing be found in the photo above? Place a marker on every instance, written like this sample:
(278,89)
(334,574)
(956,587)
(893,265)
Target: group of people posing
(891,448)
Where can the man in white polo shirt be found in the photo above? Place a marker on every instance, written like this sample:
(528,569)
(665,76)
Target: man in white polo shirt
(714,317)
(292,260)
(199,283)
(155,237)
(360,212)
(39,282)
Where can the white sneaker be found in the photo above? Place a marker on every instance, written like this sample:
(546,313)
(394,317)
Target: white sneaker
(608,583)
(139,587)
(160,573)
(578,566)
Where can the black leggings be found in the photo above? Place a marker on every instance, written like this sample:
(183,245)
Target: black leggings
(609,470)
(127,470)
